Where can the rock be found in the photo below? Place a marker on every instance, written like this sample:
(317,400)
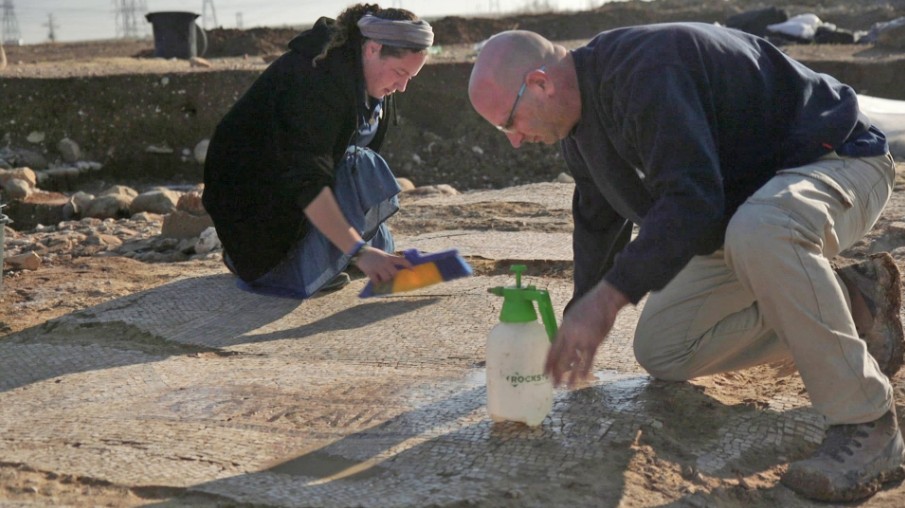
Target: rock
(197,61)
(119,190)
(103,239)
(146,217)
(893,36)
(41,207)
(59,177)
(405,183)
(200,151)
(191,202)
(825,35)
(85,166)
(80,201)
(26,261)
(756,21)
(182,224)
(17,189)
(207,241)
(113,202)
(158,149)
(23,173)
(159,201)
(428,190)
(69,150)
(564,178)
(110,206)
(35,137)
(889,34)
(896,228)
(69,211)
(31,159)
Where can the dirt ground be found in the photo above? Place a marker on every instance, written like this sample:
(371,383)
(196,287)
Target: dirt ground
(660,471)
(661,468)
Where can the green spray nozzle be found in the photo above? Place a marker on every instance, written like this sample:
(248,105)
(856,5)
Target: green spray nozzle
(518,306)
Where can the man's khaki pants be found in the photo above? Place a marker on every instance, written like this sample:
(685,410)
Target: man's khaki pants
(770,295)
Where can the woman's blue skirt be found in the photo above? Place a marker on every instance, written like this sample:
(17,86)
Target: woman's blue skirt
(366,191)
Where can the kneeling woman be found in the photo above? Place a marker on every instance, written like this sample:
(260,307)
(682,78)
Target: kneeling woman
(293,180)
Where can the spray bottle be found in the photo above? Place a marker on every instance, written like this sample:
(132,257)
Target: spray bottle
(517,388)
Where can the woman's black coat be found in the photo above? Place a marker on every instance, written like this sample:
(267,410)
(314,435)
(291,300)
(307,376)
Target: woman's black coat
(278,147)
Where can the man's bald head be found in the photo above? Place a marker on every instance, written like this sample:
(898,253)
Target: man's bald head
(527,86)
(502,64)
(507,56)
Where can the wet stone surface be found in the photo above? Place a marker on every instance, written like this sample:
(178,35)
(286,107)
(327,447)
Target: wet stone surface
(201,392)
(331,402)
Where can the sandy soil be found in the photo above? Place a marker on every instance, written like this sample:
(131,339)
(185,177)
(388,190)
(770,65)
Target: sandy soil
(659,471)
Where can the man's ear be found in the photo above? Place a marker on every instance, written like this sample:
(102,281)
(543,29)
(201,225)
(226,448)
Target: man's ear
(541,79)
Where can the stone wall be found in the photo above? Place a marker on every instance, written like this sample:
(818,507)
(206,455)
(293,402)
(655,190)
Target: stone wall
(126,121)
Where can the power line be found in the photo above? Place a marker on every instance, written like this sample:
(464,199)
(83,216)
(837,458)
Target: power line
(10,27)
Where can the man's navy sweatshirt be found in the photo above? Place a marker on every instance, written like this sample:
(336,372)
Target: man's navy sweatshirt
(680,123)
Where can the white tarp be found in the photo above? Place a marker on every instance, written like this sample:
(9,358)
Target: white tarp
(889,116)
(803,26)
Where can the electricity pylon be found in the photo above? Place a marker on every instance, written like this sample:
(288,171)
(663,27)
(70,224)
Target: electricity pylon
(128,15)
(51,28)
(10,28)
(208,21)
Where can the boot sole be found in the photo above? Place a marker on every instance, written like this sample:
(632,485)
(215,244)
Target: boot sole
(861,491)
(821,488)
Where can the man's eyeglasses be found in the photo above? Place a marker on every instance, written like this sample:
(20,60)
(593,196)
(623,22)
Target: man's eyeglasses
(507,126)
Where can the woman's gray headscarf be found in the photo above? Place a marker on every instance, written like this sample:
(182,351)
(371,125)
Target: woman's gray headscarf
(399,33)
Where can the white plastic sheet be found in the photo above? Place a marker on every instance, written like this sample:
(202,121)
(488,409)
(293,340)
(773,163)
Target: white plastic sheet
(889,116)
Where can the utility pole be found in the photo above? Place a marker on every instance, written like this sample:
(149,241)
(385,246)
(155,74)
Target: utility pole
(239,20)
(51,28)
(208,21)
(10,27)
(128,14)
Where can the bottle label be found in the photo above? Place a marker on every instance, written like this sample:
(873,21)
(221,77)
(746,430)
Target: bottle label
(516,379)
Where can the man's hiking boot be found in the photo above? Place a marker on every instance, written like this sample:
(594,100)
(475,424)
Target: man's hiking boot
(852,463)
(874,287)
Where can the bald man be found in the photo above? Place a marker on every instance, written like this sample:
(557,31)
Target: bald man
(746,172)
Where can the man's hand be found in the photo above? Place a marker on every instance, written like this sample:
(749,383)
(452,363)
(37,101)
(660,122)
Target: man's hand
(582,331)
(378,265)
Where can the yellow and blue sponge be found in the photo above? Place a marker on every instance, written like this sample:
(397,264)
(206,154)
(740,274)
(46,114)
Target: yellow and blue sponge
(426,270)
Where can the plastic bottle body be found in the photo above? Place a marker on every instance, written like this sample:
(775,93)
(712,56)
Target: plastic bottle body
(517,389)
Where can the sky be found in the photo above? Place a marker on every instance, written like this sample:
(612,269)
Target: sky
(75,20)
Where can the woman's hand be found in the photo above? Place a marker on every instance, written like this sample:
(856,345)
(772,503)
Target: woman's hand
(378,265)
